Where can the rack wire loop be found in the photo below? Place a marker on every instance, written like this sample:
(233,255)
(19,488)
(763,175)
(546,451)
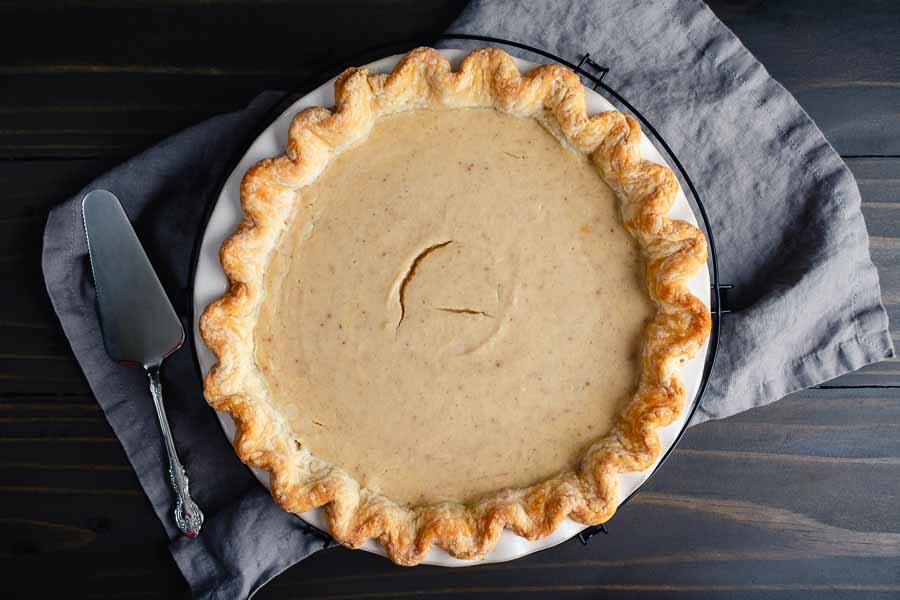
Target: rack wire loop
(587,60)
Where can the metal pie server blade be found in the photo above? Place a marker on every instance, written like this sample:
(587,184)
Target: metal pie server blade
(139,325)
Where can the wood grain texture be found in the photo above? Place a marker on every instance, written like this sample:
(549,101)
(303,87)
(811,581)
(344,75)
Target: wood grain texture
(97,79)
(798,494)
(838,59)
(125,86)
(793,500)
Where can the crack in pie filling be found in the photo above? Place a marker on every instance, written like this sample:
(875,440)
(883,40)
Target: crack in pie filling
(456,306)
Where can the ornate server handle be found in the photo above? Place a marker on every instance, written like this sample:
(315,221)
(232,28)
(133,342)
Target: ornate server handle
(188,516)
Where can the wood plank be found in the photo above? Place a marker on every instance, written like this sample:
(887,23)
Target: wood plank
(96,543)
(801,495)
(38,404)
(34,354)
(835,59)
(32,188)
(878,179)
(19,237)
(273,37)
(882,219)
(885,254)
(113,114)
(73,97)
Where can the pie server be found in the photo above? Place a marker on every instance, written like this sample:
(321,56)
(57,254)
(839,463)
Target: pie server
(139,325)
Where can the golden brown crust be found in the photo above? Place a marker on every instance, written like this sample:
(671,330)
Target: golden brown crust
(673,251)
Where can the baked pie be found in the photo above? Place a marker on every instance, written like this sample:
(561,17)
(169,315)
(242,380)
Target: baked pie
(456,305)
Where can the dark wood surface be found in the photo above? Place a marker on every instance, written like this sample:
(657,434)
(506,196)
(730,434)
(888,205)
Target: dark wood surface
(795,500)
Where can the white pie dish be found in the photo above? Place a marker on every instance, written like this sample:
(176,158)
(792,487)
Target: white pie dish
(210,283)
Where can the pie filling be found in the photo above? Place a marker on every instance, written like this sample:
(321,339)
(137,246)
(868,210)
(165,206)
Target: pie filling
(455,309)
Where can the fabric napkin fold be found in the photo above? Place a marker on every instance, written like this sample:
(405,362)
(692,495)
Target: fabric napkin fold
(784,208)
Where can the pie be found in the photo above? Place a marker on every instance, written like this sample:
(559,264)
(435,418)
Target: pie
(456,305)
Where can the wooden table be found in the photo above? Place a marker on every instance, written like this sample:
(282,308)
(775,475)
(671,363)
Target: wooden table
(798,499)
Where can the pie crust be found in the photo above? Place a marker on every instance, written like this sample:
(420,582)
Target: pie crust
(672,251)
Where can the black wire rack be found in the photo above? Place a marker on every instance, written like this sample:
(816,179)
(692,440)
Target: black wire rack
(594,72)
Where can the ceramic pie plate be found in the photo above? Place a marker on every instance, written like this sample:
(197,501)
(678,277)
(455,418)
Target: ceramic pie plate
(210,283)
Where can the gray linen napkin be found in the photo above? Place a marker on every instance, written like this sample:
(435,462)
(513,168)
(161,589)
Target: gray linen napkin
(785,211)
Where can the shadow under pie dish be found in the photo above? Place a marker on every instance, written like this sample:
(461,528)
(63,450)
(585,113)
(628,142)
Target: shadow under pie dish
(457,304)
